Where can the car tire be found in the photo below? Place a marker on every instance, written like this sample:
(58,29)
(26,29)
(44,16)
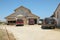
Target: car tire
(16,25)
(19,25)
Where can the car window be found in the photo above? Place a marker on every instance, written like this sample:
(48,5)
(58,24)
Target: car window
(46,20)
(49,21)
(19,20)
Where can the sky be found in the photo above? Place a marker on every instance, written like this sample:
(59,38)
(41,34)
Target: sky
(41,8)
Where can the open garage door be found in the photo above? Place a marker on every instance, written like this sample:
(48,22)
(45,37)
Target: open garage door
(11,22)
(35,21)
(32,21)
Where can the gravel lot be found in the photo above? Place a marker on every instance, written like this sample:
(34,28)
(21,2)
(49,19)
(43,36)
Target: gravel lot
(33,32)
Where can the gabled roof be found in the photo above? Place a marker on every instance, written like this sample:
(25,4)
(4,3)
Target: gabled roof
(55,10)
(14,15)
(21,7)
(57,7)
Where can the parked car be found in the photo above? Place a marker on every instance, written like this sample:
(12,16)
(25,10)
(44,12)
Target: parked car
(49,23)
(19,22)
(40,22)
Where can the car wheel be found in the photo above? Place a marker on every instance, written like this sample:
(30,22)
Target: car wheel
(16,25)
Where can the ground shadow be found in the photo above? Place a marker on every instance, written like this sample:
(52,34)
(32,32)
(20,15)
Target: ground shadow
(57,29)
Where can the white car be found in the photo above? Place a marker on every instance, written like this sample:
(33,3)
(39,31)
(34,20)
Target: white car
(40,22)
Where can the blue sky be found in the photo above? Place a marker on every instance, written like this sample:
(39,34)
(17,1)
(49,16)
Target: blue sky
(42,8)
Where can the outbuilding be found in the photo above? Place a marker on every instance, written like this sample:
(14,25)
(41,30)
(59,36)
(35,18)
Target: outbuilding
(22,13)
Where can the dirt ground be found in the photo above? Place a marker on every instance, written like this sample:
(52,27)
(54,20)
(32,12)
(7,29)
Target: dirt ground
(33,32)
(5,35)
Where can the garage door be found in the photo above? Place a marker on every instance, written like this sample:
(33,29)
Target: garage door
(31,21)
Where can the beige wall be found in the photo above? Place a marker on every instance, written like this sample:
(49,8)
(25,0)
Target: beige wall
(25,21)
(57,12)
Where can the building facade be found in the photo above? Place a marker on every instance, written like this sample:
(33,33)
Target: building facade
(22,13)
(56,13)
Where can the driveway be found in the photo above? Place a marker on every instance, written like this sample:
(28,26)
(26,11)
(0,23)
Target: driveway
(33,32)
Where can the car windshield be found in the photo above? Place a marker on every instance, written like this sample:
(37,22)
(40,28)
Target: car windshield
(19,20)
(49,21)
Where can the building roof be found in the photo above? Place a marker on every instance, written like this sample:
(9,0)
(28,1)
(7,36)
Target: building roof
(14,15)
(53,15)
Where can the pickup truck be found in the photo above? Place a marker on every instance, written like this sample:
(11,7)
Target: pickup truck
(19,22)
(49,23)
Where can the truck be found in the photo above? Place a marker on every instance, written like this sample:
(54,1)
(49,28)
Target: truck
(49,23)
(19,22)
